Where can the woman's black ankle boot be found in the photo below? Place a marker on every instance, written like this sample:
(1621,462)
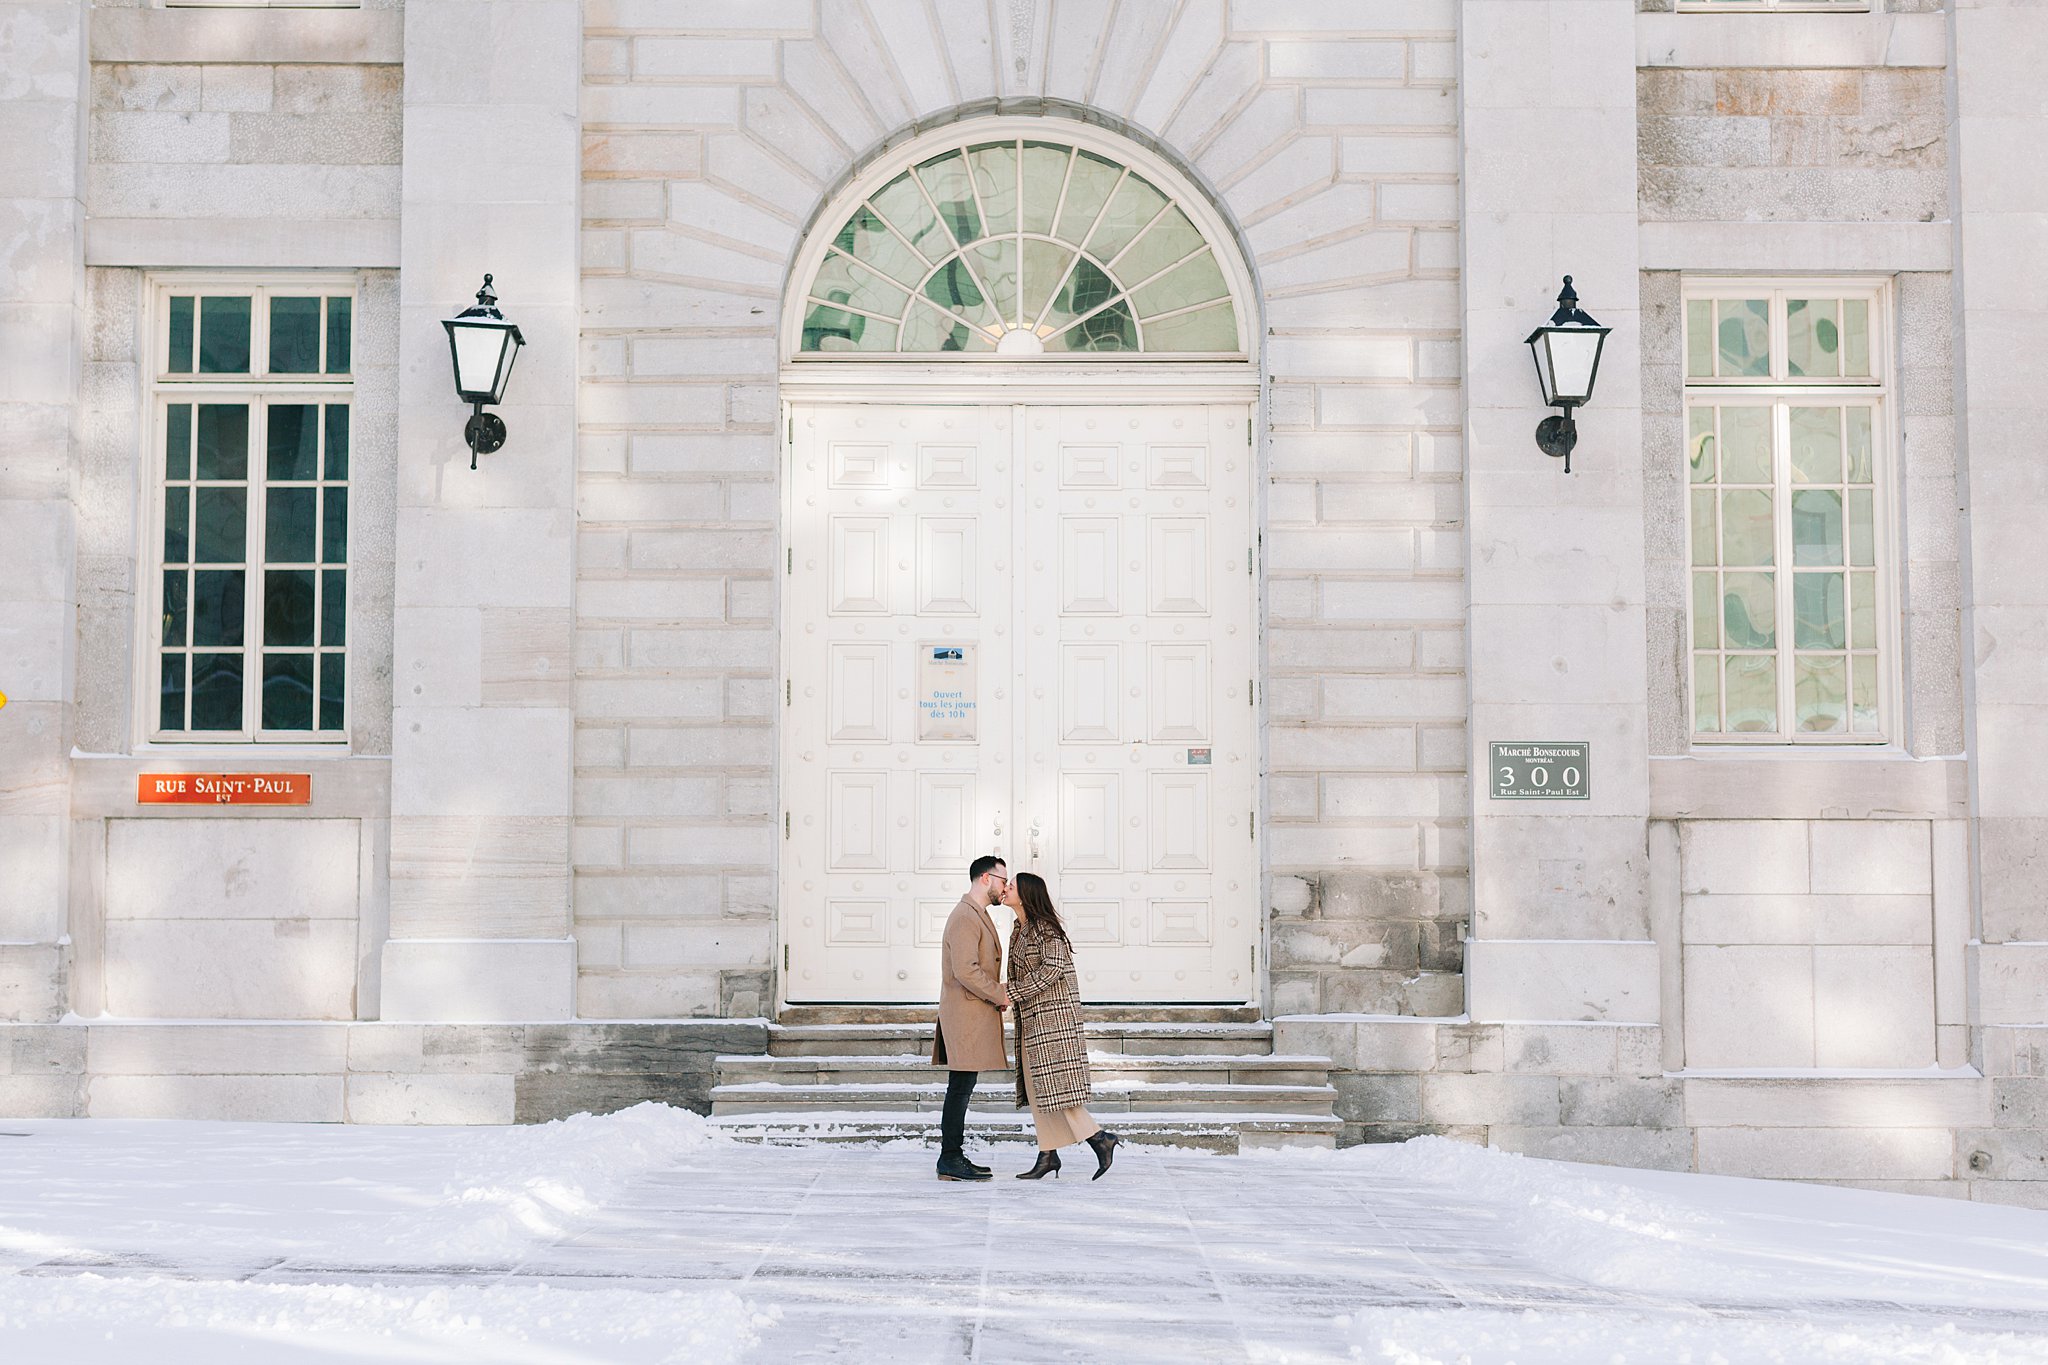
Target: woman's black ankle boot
(1104,1144)
(1048,1163)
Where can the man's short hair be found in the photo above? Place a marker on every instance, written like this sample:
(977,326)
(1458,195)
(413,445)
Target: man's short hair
(981,865)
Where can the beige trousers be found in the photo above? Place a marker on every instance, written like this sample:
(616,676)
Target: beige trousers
(1059,1128)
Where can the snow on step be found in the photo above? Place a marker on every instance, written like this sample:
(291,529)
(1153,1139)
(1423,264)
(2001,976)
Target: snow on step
(1110,1098)
(868,1069)
(1201,1130)
(1215,1084)
(790,1040)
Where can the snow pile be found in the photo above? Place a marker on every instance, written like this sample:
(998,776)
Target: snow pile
(171,1322)
(1753,1241)
(240,1192)
(1474,1336)
(513,1187)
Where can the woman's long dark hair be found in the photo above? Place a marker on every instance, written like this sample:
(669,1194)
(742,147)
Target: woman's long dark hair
(1036,906)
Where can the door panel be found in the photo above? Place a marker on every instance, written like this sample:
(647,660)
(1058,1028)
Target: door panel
(860,566)
(1089,702)
(948,564)
(1177,694)
(859,705)
(946,806)
(1089,554)
(1179,562)
(887,596)
(1020,630)
(1151,601)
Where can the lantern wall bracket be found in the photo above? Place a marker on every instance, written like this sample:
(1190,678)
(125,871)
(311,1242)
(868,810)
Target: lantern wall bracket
(485,432)
(1555,437)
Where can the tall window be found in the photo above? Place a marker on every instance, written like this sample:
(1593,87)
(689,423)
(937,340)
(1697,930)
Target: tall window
(1785,408)
(251,399)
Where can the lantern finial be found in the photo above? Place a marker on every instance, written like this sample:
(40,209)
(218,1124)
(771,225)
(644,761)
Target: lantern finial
(1568,313)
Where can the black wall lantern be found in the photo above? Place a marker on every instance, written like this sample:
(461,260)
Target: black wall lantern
(484,346)
(1567,353)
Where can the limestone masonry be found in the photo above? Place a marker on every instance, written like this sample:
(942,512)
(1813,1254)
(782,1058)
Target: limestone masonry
(1097,431)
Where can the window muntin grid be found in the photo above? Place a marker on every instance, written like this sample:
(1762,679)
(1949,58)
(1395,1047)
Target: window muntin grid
(1788,600)
(251,444)
(1064,246)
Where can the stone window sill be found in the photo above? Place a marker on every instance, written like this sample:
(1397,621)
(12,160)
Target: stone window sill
(1786,783)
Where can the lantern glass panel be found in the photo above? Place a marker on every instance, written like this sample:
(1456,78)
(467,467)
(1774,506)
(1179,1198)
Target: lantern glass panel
(506,356)
(478,352)
(1574,356)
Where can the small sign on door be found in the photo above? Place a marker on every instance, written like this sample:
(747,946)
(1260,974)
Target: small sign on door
(945,692)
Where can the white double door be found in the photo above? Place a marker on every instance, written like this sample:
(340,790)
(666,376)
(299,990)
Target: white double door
(1028,631)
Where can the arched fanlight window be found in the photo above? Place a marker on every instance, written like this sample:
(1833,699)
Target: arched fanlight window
(1017,247)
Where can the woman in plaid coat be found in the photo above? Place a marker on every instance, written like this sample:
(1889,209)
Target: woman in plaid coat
(1052,1054)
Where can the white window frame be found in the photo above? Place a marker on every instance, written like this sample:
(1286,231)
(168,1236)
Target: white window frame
(258,389)
(1777,389)
(1778,6)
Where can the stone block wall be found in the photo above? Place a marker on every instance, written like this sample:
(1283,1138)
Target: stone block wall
(1813,945)
(1600,1093)
(1783,145)
(1327,131)
(1370,942)
(385,1073)
(276,149)
(231,919)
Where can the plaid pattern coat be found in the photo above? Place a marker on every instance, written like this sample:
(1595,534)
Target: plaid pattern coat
(1052,1054)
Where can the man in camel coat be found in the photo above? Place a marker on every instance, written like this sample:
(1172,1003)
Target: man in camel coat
(972,998)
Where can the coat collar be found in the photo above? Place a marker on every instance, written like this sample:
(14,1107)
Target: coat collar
(988,921)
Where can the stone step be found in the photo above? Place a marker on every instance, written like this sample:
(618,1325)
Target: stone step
(870,1069)
(1114,1097)
(1205,1131)
(1151,1038)
(799,1016)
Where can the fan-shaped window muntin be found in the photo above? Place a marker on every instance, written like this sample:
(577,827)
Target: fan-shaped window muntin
(1018,246)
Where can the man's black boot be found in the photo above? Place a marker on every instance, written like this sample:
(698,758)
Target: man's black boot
(954,1166)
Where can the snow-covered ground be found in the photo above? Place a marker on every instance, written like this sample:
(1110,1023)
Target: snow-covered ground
(648,1237)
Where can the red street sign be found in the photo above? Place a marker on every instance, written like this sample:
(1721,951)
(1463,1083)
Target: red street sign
(224,789)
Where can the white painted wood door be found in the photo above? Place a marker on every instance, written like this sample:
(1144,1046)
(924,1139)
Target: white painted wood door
(1026,631)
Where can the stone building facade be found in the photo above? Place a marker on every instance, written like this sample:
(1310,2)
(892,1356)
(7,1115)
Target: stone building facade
(559,733)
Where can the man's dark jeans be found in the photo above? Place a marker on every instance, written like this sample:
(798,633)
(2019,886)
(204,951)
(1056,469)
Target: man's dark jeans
(953,1119)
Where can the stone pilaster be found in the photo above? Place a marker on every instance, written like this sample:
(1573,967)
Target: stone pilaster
(483,679)
(42,307)
(1561,889)
(2001,195)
